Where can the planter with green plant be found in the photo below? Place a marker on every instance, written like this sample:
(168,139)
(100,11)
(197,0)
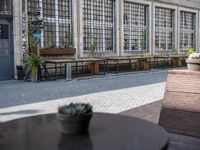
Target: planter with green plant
(175,60)
(143,61)
(193,62)
(75,118)
(33,62)
(51,50)
(93,66)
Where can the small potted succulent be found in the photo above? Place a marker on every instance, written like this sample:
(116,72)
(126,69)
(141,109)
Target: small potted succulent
(75,118)
(193,62)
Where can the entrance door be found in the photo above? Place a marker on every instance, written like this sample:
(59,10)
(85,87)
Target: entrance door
(6,50)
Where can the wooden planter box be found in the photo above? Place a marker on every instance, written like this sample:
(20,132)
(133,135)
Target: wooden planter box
(144,65)
(93,68)
(176,62)
(54,51)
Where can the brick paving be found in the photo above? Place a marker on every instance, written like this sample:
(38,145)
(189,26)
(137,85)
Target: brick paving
(111,94)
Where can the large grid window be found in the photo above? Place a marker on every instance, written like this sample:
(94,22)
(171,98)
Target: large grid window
(99,25)
(135,27)
(187,30)
(57,21)
(164,28)
(6,7)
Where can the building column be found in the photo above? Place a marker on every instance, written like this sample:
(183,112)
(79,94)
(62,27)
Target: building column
(79,28)
(75,25)
(120,28)
(17,34)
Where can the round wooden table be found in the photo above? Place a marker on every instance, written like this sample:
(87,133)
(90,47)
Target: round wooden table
(107,132)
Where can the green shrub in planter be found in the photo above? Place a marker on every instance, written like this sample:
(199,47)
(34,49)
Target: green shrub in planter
(33,62)
(75,118)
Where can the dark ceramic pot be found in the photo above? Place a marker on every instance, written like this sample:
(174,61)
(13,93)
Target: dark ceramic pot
(74,124)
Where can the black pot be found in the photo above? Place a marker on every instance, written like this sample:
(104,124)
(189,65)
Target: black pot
(74,124)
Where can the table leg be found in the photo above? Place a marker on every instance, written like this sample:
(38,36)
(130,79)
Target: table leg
(107,67)
(104,67)
(45,73)
(55,71)
(117,66)
(149,60)
(76,68)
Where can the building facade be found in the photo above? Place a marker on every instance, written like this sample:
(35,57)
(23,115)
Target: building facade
(120,27)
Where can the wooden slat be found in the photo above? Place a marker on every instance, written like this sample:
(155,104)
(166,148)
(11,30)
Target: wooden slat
(183,83)
(180,122)
(180,112)
(182,101)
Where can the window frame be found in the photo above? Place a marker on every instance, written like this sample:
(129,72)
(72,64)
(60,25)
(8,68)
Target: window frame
(196,31)
(174,21)
(57,20)
(132,27)
(93,25)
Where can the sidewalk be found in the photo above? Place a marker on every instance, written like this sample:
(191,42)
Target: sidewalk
(111,94)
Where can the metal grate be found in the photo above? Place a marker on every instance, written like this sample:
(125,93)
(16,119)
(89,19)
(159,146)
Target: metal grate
(57,21)
(187,30)
(135,27)
(6,7)
(99,25)
(164,27)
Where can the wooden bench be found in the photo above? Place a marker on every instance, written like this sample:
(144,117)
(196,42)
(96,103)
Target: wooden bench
(180,113)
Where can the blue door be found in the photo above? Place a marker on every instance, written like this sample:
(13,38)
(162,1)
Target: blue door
(6,50)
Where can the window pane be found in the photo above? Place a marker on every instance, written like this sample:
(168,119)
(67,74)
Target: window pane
(99,24)
(57,21)
(164,29)
(187,30)
(135,27)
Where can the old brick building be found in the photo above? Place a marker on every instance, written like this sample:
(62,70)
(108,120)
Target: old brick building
(120,27)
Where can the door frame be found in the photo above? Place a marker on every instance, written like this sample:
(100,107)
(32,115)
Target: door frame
(9,21)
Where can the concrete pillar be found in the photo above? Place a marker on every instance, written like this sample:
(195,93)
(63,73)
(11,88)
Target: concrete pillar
(119,26)
(120,35)
(75,25)
(80,28)
(17,7)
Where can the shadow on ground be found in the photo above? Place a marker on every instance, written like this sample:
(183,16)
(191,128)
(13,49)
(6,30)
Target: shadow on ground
(28,112)
(13,93)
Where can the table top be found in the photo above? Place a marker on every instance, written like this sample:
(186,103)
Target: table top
(172,56)
(128,58)
(73,60)
(106,132)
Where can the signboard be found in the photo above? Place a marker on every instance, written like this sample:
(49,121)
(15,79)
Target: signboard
(37,26)
(37,35)
(3,31)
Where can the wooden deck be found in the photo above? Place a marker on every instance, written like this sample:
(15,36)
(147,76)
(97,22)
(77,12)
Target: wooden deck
(151,112)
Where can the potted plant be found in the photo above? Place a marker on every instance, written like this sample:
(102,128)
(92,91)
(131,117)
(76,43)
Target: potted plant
(93,66)
(193,62)
(143,62)
(176,61)
(33,62)
(51,50)
(75,118)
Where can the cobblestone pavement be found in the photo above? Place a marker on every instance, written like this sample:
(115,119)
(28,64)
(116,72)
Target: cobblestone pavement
(111,94)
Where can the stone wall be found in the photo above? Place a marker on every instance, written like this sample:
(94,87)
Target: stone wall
(185,3)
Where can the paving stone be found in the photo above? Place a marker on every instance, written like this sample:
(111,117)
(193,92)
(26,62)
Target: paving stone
(110,94)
